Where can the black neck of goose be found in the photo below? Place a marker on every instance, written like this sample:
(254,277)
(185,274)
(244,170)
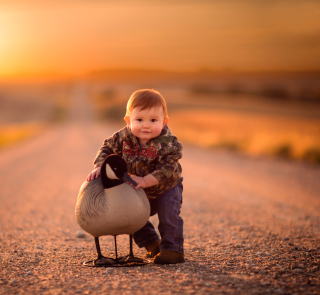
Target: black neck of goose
(107,182)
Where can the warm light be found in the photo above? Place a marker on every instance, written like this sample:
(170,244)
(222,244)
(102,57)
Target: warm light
(80,36)
(4,48)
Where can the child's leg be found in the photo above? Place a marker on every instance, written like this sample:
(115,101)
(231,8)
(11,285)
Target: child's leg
(146,235)
(168,207)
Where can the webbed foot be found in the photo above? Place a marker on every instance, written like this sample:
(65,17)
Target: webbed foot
(131,260)
(100,262)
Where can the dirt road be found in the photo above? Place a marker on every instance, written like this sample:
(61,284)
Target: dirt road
(252,226)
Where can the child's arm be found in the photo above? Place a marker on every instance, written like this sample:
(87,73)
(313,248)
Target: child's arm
(146,181)
(95,173)
(112,145)
(169,169)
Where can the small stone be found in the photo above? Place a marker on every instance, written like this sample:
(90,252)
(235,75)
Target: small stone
(80,234)
(13,281)
(29,272)
(298,270)
(312,250)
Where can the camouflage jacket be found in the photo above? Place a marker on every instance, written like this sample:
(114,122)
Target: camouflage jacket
(159,156)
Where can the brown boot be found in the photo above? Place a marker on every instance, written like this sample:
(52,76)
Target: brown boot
(168,257)
(153,249)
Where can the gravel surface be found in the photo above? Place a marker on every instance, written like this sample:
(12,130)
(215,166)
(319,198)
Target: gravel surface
(252,225)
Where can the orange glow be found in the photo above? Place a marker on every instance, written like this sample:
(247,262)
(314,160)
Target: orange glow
(40,37)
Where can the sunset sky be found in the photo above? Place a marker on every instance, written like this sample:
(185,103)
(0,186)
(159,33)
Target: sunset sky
(76,36)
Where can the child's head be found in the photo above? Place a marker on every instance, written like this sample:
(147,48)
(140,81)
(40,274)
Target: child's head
(146,114)
(146,99)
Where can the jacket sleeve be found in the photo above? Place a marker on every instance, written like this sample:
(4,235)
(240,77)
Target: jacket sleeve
(169,168)
(111,145)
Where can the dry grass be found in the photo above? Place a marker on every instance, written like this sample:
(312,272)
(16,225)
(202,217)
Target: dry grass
(254,134)
(255,125)
(11,134)
(28,108)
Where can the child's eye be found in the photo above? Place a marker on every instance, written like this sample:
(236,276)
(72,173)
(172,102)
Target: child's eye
(140,120)
(153,120)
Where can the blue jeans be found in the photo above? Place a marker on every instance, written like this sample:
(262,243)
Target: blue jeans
(168,206)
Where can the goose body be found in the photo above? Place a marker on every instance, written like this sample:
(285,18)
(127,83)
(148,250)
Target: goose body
(108,205)
(114,211)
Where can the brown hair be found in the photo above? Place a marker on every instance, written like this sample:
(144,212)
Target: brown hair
(146,99)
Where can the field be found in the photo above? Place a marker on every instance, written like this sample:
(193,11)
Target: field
(264,116)
(254,134)
(27,109)
(263,120)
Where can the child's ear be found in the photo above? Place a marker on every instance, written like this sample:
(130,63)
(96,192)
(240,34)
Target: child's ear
(127,119)
(165,121)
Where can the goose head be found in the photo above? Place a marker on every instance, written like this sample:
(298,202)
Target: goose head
(114,172)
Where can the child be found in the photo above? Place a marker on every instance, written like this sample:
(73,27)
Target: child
(151,153)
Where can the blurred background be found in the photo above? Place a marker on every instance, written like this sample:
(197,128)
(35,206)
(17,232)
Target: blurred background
(240,75)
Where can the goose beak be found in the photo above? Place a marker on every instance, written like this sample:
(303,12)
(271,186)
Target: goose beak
(127,178)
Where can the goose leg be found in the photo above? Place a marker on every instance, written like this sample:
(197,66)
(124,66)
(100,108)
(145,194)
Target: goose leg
(130,241)
(115,246)
(96,240)
(101,260)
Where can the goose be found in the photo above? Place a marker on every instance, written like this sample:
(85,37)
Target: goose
(108,205)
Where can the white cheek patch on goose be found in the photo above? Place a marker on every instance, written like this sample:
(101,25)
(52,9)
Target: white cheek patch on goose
(110,173)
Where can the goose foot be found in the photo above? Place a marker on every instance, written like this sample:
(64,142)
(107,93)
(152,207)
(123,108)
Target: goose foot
(131,260)
(100,262)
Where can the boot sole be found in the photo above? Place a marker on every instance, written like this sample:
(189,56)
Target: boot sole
(159,260)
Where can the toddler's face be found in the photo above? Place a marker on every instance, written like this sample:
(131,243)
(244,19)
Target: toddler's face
(146,124)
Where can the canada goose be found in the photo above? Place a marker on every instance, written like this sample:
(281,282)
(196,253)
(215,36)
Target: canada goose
(110,206)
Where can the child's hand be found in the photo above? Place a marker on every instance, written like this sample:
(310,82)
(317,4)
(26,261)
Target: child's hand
(95,173)
(146,181)
(139,180)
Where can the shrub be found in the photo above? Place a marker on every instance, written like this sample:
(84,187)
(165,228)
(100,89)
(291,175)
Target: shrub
(312,155)
(114,112)
(202,89)
(234,89)
(284,151)
(277,92)
(227,145)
